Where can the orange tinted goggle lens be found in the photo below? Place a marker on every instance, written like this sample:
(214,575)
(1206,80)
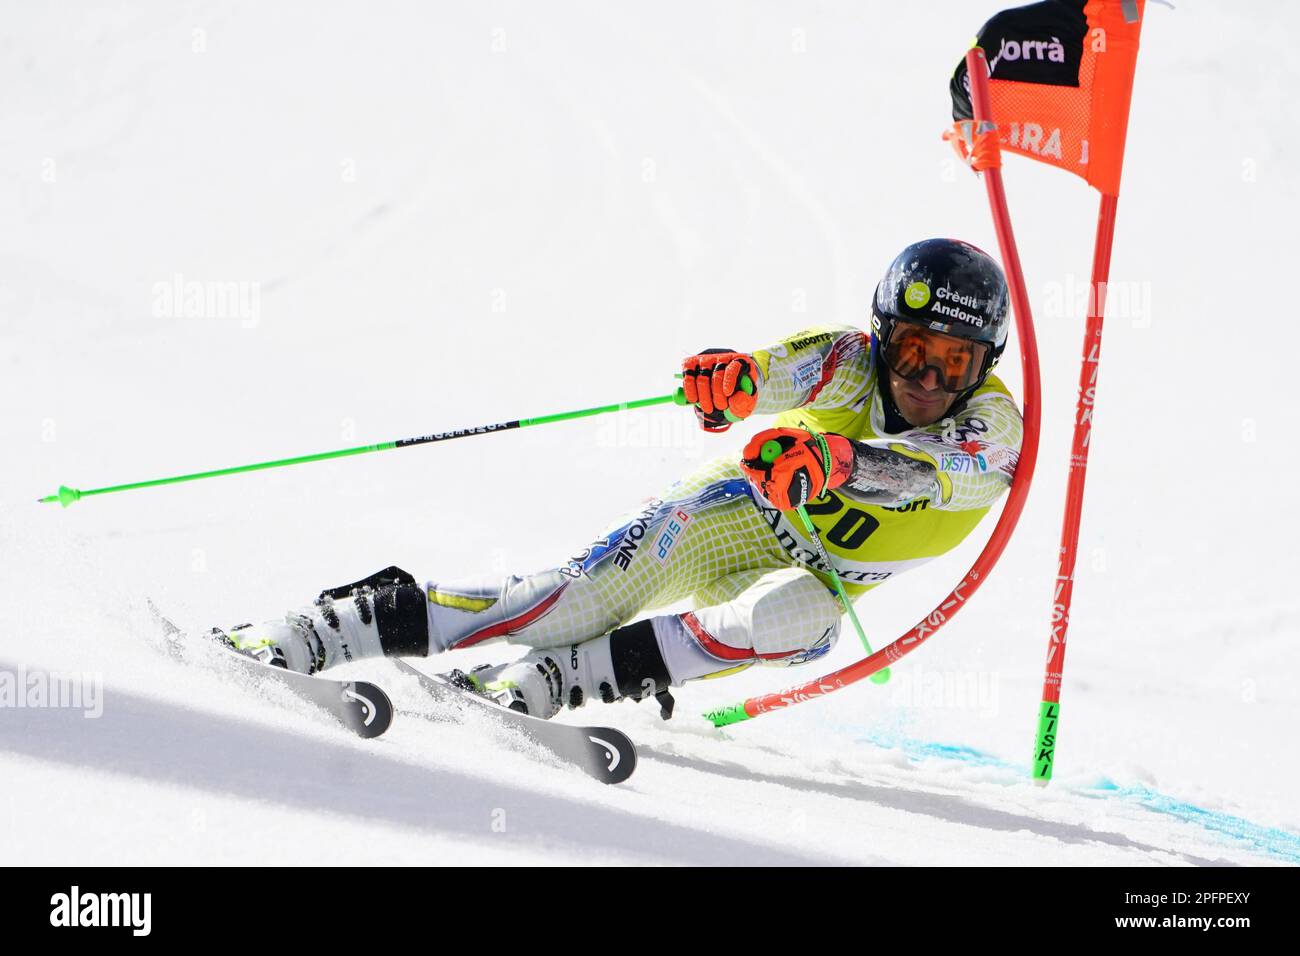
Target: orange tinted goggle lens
(913,348)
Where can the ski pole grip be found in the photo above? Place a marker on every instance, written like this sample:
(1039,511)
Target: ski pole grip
(746,386)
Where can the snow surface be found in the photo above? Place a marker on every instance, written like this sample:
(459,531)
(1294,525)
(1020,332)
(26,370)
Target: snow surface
(470,212)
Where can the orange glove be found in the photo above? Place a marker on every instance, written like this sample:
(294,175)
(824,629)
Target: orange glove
(798,465)
(712,383)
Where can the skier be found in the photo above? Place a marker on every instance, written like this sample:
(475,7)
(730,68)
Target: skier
(898,444)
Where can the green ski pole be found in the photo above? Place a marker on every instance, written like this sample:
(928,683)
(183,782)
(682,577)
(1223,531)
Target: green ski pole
(66,496)
(770,452)
(735,713)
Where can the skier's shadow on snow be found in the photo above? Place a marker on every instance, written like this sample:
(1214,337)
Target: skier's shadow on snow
(949,808)
(155,741)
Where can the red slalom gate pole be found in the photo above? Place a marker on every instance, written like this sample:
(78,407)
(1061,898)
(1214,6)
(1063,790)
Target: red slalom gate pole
(1049,711)
(986,131)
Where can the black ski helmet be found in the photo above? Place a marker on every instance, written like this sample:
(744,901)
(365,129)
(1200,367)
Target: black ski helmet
(950,286)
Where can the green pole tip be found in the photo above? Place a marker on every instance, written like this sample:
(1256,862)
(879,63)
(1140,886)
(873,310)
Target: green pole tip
(880,676)
(680,397)
(770,451)
(65,497)
(723,716)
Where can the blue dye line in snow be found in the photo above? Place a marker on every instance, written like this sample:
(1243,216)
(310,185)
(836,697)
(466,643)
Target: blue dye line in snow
(1271,840)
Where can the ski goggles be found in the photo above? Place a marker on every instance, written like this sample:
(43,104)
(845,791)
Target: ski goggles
(912,348)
